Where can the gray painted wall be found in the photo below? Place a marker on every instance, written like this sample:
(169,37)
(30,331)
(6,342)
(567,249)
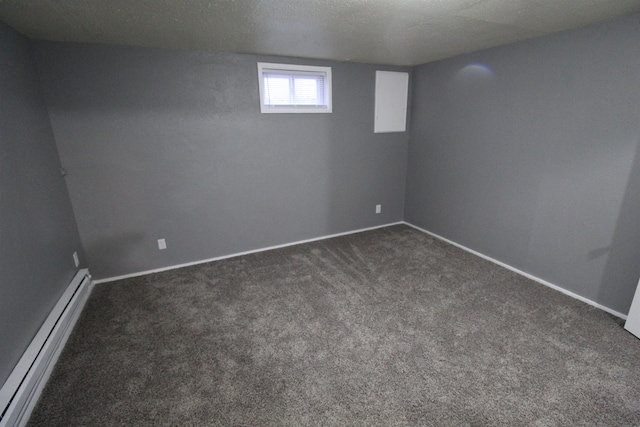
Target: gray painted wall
(37,229)
(529,153)
(171,144)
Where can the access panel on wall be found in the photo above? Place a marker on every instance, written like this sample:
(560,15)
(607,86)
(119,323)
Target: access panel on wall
(391,101)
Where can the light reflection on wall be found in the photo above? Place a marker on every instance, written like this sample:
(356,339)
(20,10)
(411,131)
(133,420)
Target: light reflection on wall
(470,82)
(476,72)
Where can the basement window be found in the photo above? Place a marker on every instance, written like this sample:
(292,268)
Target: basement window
(287,88)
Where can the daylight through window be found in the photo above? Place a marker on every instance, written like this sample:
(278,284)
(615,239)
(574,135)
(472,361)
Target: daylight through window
(286,88)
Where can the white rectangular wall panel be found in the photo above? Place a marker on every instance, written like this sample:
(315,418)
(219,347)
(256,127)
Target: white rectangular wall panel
(391,101)
(633,318)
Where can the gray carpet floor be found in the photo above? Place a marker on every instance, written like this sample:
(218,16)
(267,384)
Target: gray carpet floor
(388,327)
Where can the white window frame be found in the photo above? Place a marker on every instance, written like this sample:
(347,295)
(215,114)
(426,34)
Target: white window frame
(291,69)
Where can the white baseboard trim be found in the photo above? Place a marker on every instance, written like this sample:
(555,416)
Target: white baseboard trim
(22,389)
(269,248)
(522,273)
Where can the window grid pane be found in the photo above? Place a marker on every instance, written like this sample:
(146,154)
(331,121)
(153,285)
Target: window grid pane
(277,90)
(306,91)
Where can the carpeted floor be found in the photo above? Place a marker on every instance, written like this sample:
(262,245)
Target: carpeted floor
(388,327)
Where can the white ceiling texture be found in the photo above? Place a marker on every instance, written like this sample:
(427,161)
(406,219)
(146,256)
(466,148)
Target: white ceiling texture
(395,32)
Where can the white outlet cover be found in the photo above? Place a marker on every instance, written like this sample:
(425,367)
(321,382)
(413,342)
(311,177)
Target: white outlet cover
(162,244)
(378,208)
(75,259)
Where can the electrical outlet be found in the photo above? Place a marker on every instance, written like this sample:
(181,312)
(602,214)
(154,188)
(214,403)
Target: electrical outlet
(75,259)
(378,209)
(162,244)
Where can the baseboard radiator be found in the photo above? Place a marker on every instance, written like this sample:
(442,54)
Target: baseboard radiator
(20,392)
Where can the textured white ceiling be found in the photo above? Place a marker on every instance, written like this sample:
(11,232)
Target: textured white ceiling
(400,32)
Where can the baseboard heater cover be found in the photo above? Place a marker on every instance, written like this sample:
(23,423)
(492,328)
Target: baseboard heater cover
(22,389)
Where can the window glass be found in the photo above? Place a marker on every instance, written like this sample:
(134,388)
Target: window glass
(286,88)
